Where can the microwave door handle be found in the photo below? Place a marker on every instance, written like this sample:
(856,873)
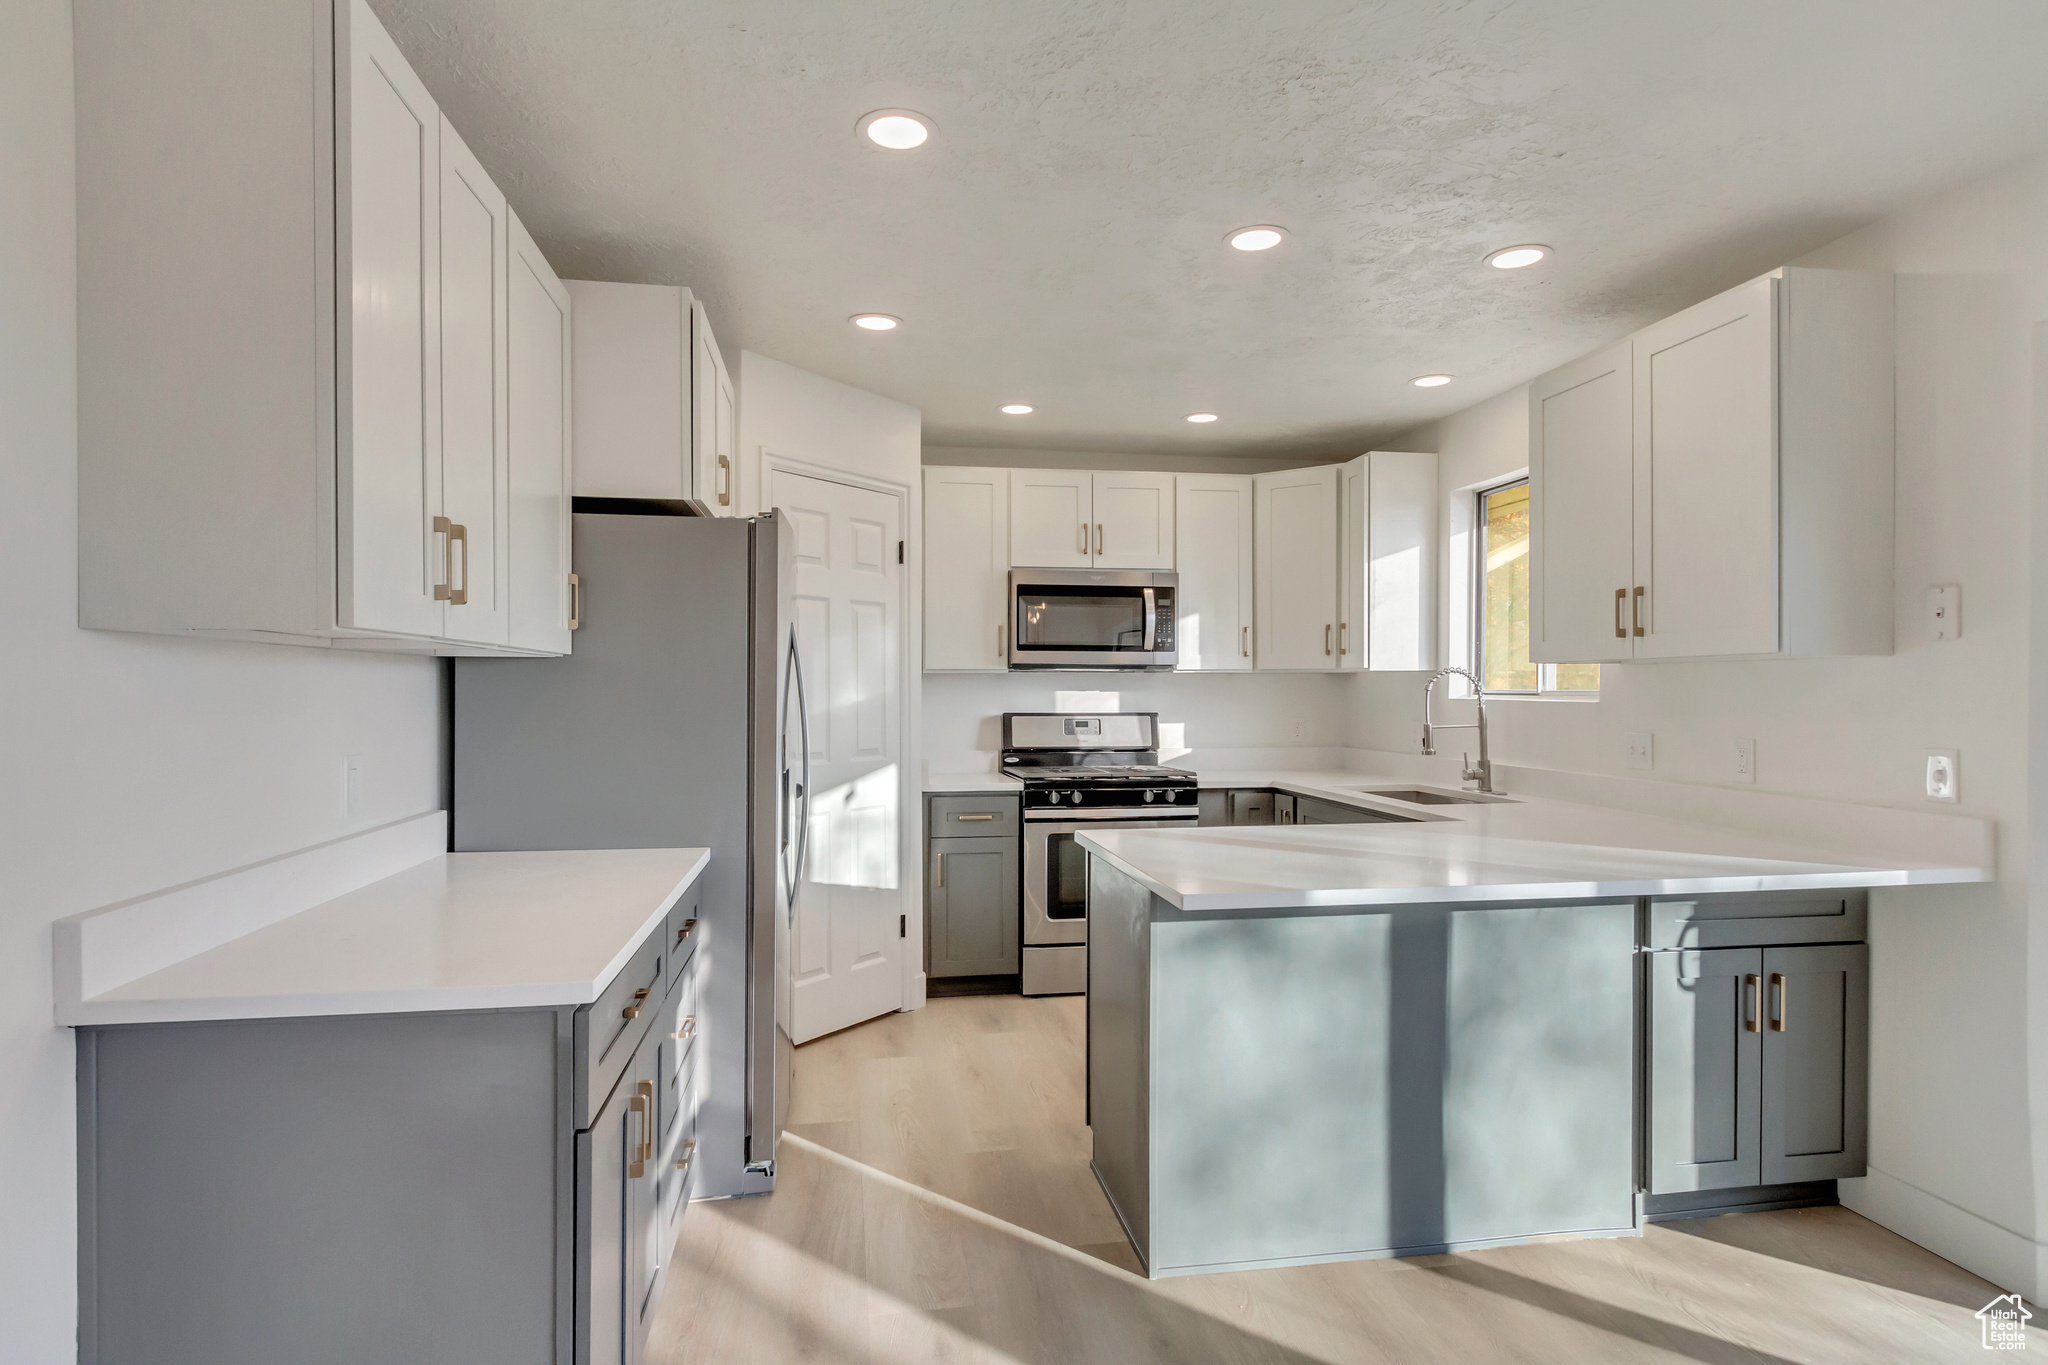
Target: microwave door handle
(1151,618)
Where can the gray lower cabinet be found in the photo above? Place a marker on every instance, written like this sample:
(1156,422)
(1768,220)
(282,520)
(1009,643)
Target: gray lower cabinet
(1758,1064)
(499,1187)
(1309,810)
(973,888)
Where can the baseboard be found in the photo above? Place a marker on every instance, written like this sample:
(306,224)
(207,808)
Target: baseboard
(2008,1259)
(942,987)
(1673,1208)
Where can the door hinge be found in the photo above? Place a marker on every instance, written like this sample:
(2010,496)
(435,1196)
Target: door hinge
(899,552)
(903,926)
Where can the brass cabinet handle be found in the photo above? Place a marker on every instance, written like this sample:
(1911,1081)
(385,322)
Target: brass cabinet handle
(688,1029)
(446,587)
(632,1011)
(641,1102)
(458,533)
(939,877)
(575,602)
(1778,1014)
(1326,639)
(1635,611)
(689,927)
(1098,537)
(724,481)
(1620,596)
(684,1153)
(1750,1002)
(1084,537)
(1245,642)
(1001,640)
(974,817)
(1342,626)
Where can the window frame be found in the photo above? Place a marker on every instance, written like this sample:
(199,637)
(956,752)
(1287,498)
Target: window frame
(1546,688)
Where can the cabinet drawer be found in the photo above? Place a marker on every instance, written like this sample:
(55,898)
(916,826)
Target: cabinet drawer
(608,1031)
(683,932)
(1759,919)
(973,816)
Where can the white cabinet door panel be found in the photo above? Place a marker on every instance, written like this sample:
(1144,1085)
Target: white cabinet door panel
(712,415)
(1401,559)
(966,568)
(1213,540)
(1354,548)
(1133,521)
(474,476)
(1295,542)
(389,481)
(537,435)
(1706,477)
(1051,519)
(1580,510)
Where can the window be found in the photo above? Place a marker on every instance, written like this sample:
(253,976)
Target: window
(1500,575)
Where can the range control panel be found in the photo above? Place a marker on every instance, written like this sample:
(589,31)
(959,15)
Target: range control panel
(1099,798)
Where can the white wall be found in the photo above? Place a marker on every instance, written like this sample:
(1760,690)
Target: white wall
(1954,1160)
(990,457)
(132,763)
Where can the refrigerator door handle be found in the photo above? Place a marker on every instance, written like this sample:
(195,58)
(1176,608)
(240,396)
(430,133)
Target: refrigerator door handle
(800,816)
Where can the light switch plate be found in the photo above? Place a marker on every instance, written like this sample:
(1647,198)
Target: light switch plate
(1745,760)
(352,785)
(1945,611)
(1944,775)
(1641,753)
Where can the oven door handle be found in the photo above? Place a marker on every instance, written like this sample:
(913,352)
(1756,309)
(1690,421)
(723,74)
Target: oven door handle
(1151,617)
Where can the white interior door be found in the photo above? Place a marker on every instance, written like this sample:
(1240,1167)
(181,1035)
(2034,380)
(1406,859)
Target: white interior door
(1133,521)
(1213,528)
(1050,522)
(846,605)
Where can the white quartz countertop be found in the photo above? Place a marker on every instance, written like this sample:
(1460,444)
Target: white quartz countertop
(460,931)
(940,784)
(1531,848)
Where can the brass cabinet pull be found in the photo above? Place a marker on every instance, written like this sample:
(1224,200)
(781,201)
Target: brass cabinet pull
(688,1029)
(724,481)
(1750,1002)
(641,1102)
(1245,642)
(1620,596)
(632,1011)
(1084,537)
(446,587)
(459,534)
(1326,639)
(1778,1014)
(939,878)
(689,927)
(1635,611)
(1342,626)
(575,602)
(1001,640)
(974,817)
(1098,537)
(684,1153)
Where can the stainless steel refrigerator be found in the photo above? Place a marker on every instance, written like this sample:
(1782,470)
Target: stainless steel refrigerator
(677,720)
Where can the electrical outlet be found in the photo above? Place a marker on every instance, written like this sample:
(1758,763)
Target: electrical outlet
(352,785)
(1945,610)
(1745,760)
(1944,775)
(1299,730)
(1640,751)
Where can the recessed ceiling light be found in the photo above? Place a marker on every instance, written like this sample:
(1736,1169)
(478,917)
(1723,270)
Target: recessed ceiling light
(896,130)
(875,322)
(1515,257)
(1261,238)
(1017,409)
(1201,417)
(1430,381)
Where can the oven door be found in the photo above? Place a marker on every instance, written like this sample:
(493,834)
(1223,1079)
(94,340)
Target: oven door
(1088,620)
(1056,871)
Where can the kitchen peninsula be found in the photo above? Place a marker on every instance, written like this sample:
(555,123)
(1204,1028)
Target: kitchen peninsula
(1477,1021)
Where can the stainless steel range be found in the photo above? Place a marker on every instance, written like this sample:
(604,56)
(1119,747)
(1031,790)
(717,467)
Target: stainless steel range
(1081,772)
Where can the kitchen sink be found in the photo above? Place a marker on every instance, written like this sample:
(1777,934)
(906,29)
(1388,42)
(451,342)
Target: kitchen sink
(1434,796)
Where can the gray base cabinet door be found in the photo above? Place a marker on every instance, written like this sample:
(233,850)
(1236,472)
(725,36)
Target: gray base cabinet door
(973,889)
(1705,1058)
(618,1233)
(1815,1066)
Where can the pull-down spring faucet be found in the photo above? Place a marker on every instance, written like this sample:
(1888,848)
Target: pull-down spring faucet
(1483,774)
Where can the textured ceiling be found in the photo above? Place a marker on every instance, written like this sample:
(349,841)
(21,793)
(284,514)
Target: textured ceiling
(1059,241)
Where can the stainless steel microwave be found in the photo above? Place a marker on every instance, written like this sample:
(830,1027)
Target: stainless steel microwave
(1090,620)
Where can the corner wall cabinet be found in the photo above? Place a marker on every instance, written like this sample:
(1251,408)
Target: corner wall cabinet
(655,412)
(1387,548)
(297,388)
(501,1185)
(1721,483)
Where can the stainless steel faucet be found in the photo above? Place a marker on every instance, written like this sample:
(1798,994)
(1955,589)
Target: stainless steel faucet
(1483,774)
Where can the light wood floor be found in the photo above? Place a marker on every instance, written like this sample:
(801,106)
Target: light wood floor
(934,1203)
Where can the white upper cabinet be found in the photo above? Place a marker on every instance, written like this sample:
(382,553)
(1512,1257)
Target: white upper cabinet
(1387,539)
(1052,518)
(1581,518)
(1133,518)
(308,438)
(654,414)
(1758,464)
(1213,533)
(1295,544)
(967,577)
(537,432)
